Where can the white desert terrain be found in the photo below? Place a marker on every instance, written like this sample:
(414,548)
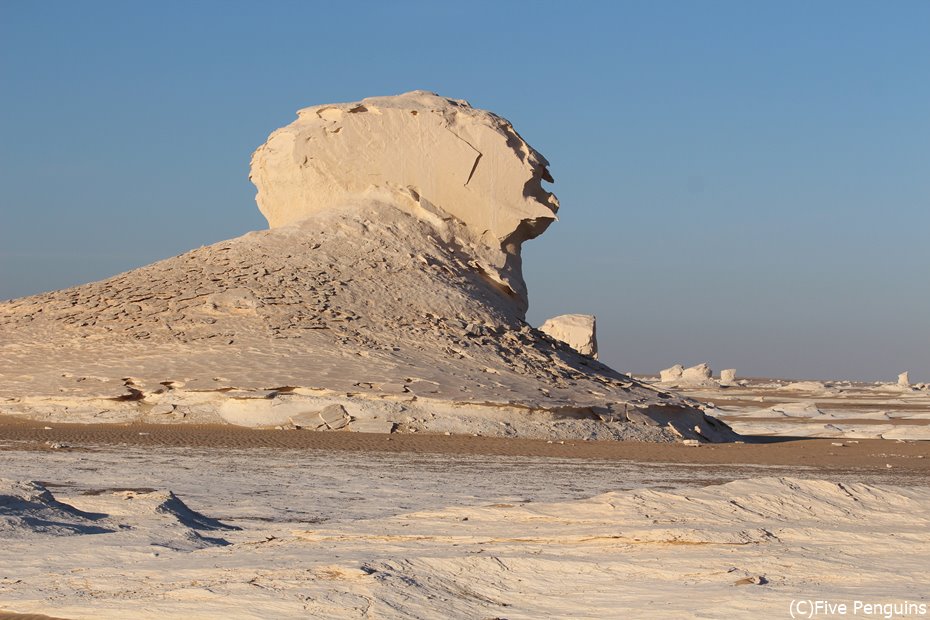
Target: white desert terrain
(777,407)
(283,533)
(347,416)
(389,290)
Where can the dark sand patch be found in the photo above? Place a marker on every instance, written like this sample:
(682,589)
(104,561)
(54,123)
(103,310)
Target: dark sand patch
(863,454)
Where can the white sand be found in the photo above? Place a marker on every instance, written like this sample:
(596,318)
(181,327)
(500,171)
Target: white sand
(401,536)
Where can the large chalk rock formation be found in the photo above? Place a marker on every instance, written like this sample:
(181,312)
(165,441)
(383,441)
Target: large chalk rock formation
(388,289)
(464,170)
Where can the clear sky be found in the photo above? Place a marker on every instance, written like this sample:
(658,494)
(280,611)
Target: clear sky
(743,183)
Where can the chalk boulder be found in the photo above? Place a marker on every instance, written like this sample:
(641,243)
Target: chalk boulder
(904,380)
(671,375)
(728,376)
(579,331)
(700,374)
(697,374)
(465,171)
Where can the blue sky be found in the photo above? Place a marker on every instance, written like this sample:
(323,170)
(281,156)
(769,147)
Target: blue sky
(742,183)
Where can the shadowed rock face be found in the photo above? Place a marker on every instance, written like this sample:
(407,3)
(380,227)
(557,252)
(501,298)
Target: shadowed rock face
(464,170)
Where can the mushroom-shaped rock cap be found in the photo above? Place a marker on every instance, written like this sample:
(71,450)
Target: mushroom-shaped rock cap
(464,170)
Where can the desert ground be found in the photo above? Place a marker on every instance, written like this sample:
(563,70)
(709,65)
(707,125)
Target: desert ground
(206,521)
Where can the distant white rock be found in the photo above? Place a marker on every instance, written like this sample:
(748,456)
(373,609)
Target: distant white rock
(579,331)
(728,376)
(671,375)
(904,379)
(807,386)
(699,375)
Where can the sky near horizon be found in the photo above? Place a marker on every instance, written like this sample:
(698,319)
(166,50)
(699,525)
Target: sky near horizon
(742,183)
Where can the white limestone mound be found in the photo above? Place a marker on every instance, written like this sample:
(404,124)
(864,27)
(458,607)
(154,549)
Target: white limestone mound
(697,374)
(579,331)
(813,387)
(389,285)
(904,380)
(728,377)
(671,375)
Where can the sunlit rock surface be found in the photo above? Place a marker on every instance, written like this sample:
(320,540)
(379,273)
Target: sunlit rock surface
(579,331)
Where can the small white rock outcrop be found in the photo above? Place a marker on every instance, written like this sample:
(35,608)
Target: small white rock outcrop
(728,376)
(579,331)
(671,375)
(904,380)
(697,374)
(701,374)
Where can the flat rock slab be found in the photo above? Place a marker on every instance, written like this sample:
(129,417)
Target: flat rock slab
(331,418)
(334,417)
(371,426)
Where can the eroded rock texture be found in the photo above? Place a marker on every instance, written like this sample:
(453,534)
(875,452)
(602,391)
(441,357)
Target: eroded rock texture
(466,171)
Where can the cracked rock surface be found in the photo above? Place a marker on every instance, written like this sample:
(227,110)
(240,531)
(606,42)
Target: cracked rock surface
(466,171)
